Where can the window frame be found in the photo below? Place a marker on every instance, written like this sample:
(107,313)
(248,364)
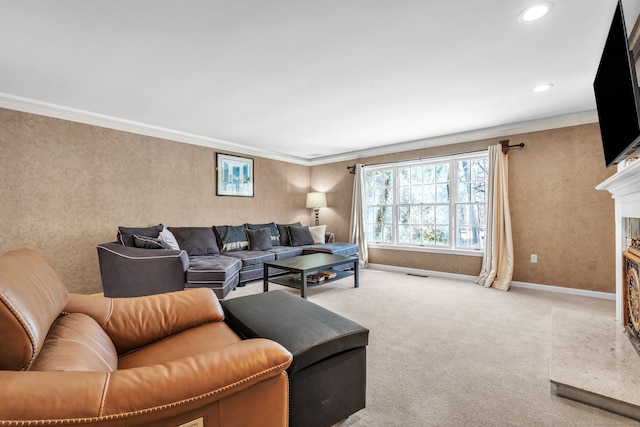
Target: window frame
(453,204)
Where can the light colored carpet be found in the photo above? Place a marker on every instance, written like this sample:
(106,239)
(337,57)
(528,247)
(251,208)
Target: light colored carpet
(446,352)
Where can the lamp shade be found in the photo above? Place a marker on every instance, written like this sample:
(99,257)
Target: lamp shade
(316,200)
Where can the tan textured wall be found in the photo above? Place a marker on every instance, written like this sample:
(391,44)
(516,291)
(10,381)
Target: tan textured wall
(555,210)
(65,187)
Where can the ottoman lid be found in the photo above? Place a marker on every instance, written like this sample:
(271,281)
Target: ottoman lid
(310,332)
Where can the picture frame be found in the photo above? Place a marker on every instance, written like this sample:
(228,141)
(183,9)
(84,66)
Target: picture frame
(234,175)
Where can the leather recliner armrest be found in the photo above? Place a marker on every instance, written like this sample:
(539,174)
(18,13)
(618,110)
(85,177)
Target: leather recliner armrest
(72,397)
(135,322)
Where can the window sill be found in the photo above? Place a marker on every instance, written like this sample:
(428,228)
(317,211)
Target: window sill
(448,251)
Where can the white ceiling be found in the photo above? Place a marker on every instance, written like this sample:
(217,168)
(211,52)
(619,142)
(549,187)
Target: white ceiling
(304,80)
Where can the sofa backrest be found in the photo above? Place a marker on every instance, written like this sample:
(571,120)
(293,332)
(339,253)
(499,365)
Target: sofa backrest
(32,296)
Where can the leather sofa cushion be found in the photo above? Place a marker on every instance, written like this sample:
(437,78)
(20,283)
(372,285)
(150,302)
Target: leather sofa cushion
(212,268)
(76,343)
(201,339)
(31,298)
(132,323)
(196,240)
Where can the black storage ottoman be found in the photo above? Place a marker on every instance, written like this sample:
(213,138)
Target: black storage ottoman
(327,378)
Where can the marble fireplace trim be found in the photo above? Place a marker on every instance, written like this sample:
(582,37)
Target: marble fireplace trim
(596,371)
(593,371)
(624,187)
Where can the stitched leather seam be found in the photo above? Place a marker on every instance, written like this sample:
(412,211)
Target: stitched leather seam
(101,417)
(109,314)
(28,330)
(106,364)
(288,396)
(104,394)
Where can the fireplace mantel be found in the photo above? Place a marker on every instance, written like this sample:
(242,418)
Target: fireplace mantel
(624,187)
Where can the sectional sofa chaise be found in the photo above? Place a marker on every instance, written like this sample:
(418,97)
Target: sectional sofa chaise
(159,259)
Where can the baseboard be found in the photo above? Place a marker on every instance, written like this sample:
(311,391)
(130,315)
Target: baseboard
(599,401)
(515,284)
(419,272)
(563,290)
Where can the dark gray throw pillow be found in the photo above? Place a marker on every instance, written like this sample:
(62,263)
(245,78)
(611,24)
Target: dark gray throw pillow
(284,233)
(149,242)
(196,240)
(125,234)
(259,240)
(273,229)
(231,237)
(300,236)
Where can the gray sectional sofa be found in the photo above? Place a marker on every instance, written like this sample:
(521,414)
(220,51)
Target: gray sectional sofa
(158,259)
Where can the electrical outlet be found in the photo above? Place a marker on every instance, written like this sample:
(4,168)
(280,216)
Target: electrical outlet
(534,258)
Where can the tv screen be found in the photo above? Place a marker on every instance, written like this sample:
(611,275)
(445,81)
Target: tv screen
(616,91)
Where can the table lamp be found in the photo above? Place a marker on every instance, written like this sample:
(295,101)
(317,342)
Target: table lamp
(316,201)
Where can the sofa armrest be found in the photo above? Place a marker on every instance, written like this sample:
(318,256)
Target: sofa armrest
(132,323)
(214,375)
(132,272)
(149,394)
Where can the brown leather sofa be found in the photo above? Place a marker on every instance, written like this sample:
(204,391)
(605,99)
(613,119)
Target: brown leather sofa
(166,359)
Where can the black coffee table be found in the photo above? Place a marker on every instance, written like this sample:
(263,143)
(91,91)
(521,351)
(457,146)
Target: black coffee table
(306,264)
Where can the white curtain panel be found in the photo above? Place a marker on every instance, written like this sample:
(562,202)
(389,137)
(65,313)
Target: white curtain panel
(497,264)
(357,225)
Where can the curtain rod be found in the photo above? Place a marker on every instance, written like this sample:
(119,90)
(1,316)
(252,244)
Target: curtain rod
(504,143)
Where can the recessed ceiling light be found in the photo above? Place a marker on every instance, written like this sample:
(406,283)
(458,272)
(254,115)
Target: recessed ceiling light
(535,12)
(543,87)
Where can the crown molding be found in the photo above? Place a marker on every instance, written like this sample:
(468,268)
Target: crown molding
(555,122)
(79,116)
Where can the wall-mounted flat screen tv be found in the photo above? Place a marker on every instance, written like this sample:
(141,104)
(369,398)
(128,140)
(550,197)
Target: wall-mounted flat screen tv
(617,95)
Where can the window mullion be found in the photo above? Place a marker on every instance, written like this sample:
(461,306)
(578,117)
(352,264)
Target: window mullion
(452,202)
(413,212)
(396,197)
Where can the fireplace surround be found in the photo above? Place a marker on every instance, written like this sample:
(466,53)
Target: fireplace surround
(624,187)
(631,296)
(596,371)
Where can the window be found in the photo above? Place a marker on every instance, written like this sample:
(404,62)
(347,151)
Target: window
(435,203)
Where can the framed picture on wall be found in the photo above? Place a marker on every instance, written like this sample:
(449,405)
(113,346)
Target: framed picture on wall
(234,175)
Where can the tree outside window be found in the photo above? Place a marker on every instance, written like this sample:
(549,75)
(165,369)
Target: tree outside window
(438,203)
